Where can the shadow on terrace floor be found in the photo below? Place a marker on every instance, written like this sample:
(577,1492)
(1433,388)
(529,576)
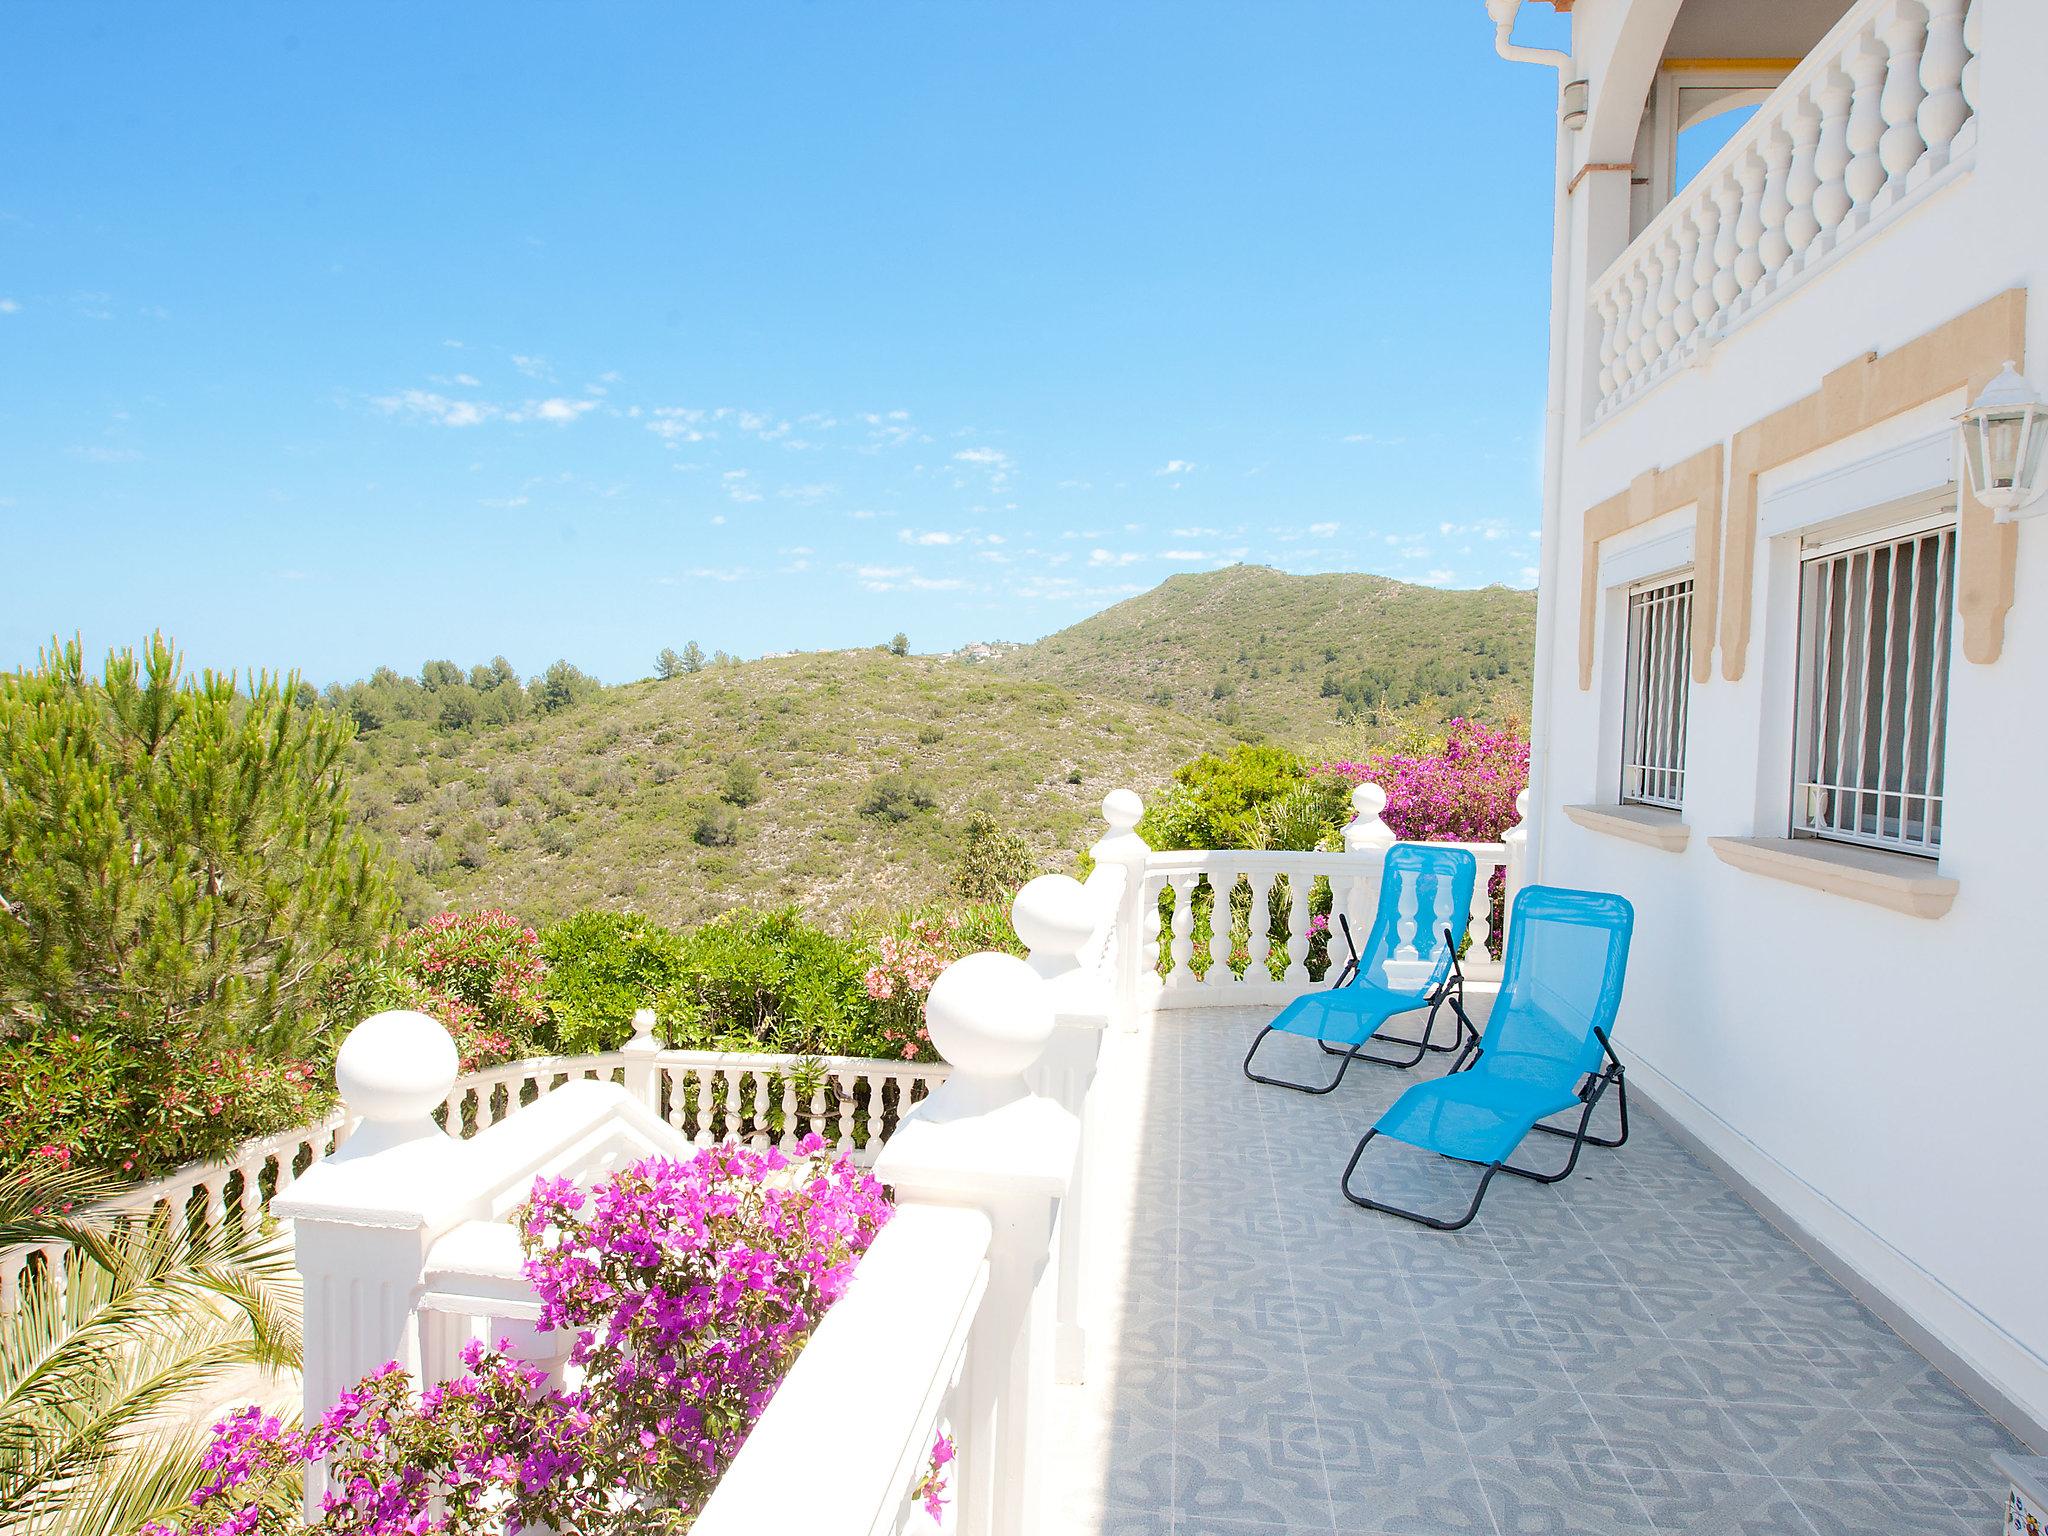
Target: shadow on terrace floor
(1632,1350)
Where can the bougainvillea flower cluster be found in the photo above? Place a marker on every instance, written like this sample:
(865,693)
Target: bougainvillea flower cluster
(686,1289)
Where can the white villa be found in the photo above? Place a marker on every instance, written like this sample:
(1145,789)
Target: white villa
(1792,667)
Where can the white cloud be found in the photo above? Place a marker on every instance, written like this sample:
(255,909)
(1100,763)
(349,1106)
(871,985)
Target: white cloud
(504,503)
(101,454)
(1105,557)
(993,457)
(931,537)
(425,405)
(1175,467)
(9,306)
(532,367)
(676,423)
(718,519)
(736,486)
(1322,530)
(558,409)
(1187,556)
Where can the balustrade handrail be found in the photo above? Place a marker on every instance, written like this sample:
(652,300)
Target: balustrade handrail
(1877,107)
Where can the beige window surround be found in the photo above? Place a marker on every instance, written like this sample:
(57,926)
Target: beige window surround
(1652,826)
(1896,881)
(1964,354)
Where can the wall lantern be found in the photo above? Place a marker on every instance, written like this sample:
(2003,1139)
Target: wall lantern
(2005,446)
(1572,104)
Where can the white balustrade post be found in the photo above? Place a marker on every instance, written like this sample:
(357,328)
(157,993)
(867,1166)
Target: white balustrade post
(985,1141)
(1865,177)
(1136,920)
(1057,922)
(1943,111)
(1904,29)
(1802,181)
(643,1078)
(1831,156)
(1973,43)
(1517,840)
(1366,833)
(365,1216)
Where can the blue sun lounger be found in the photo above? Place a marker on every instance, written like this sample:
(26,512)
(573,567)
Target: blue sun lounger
(1410,963)
(1547,1049)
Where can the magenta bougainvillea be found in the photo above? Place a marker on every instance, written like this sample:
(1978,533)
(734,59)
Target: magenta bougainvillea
(1461,792)
(686,1288)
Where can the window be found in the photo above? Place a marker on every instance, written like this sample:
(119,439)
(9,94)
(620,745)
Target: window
(1873,690)
(1659,669)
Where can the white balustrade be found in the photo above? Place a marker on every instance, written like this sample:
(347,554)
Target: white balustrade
(1286,889)
(1870,119)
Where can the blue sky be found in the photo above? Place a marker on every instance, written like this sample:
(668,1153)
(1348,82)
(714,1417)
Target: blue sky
(347,335)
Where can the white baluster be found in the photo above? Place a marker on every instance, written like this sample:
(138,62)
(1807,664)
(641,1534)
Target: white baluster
(1481,925)
(846,1085)
(815,1124)
(1973,40)
(1686,282)
(1222,881)
(1776,245)
(1627,357)
(1646,322)
(1802,181)
(1706,217)
(1148,927)
(1904,29)
(1667,296)
(1259,929)
(1183,931)
(1727,246)
(759,1138)
(1610,326)
(1299,884)
(1865,178)
(1442,920)
(1749,227)
(1942,108)
(707,1101)
(1404,927)
(1831,157)
(790,1135)
(731,1128)
(216,1205)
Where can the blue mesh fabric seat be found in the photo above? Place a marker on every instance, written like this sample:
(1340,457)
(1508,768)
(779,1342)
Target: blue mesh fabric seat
(1410,962)
(1548,1049)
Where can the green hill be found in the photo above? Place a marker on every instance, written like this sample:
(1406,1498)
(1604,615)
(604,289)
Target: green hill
(600,801)
(1297,656)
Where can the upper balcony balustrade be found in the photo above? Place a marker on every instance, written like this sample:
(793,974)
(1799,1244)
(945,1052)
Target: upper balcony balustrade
(1880,113)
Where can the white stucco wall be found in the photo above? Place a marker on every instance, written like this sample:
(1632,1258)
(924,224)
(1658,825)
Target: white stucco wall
(1884,1078)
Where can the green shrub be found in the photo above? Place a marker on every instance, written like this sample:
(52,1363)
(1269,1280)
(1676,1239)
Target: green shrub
(718,826)
(742,783)
(602,967)
(1216,800)
(993,861)
(897,796)
(771,981)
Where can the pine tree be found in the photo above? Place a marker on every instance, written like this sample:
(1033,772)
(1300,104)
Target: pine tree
(668,663)
(175,850)
(693,657)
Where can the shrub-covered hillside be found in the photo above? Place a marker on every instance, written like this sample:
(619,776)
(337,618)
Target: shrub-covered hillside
(838,781)
(1296,656)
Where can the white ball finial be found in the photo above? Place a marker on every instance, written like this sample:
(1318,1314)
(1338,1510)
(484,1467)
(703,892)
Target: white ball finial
(989,1016)
(643,1027)
(1053,918)
(1368,800)
(1522,806)
(396,1067)
(1122,809)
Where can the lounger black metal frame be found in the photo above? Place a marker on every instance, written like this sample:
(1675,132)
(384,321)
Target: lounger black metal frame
(1590,1094)
(1452,991)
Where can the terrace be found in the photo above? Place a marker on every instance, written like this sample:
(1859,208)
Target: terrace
(1122,1278)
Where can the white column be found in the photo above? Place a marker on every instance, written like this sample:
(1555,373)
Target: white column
(985,1141)
(1802,181)
(1136,922)
(364,1217)
(1831,199)
(643,1077)
(1776,245)
(1865,178)
(1056,921)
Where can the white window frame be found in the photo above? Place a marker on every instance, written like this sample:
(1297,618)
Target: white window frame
(1656,694)
(1837,793)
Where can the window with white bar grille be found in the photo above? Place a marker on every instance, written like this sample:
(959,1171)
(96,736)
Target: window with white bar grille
(1659,689)
(1873,691)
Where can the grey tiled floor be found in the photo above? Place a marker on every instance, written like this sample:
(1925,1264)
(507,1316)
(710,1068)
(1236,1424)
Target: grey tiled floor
(1632,1350)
